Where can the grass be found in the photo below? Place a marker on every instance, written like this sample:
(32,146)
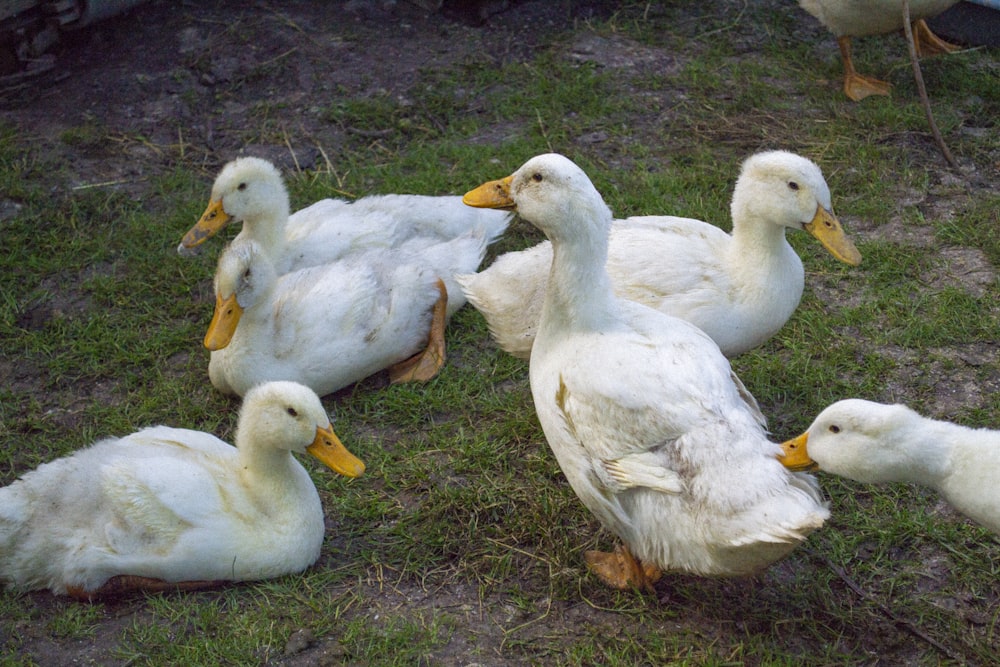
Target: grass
(462,542)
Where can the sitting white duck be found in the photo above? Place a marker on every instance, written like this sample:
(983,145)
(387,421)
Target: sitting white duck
(653,430)
(739,288)
(251,190)
(860,18)
(873,442)
(169,508)
(332,325)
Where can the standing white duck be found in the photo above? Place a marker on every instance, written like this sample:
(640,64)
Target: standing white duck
(739,288)
(872,442)
(331,325)
(251,190)
(168,508)
(651,427)
(860,18)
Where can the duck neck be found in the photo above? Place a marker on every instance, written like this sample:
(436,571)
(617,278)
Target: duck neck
(928,454)
(256,328)
(265,466)
(268,227)
(579,295)
(759,239)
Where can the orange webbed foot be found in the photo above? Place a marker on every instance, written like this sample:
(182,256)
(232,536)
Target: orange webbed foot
(620,569)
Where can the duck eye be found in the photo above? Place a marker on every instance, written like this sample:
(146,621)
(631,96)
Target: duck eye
(293,412)
(241,187)
(834,428)
(792,185)
(536,177)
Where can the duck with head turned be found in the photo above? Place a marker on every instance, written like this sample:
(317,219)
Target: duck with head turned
(251,190)
(653,430)
(169,508)
(739,288)
(875,443)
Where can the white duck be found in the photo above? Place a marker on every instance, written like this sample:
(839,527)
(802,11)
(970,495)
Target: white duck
(651,427)
(873,442)
(168,508)
(860,18)
(739,288)
(329,326)
(251,190)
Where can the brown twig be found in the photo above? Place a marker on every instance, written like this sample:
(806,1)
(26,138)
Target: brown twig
(892,616)
(922,90)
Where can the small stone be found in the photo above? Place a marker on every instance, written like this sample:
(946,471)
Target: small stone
(8,209)
(299,641)
(594,137)
(978,617)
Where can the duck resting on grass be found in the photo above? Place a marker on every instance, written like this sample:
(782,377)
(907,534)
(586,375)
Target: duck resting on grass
(739,288)
(653,430)
(860,18)
(872,442)
(251,190)
(332,325)
(169,508)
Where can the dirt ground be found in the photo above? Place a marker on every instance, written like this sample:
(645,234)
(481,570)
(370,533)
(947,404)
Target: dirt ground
(172,64)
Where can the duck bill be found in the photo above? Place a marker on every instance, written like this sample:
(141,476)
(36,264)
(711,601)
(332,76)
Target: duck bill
(795,455)
(212,220)
(825,227)
(224,321)
(495,194)
(328,448)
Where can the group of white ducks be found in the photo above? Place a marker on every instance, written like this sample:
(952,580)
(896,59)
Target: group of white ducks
(628,325)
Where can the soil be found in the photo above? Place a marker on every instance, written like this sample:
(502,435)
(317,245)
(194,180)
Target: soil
(192,77)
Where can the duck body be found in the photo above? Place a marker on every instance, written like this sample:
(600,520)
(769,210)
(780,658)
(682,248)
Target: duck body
(739,288)
(173,505)
(733,511)
(251,190)
(860,18)
(876,443)
(332,325)
(654,432)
